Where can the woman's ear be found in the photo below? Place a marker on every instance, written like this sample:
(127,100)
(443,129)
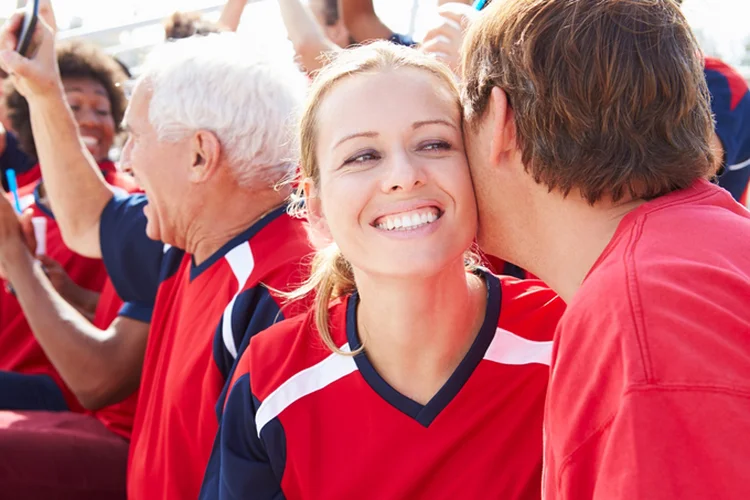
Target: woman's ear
(320,232)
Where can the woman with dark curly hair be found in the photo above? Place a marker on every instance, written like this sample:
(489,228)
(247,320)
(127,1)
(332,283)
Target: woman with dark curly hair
(93,85)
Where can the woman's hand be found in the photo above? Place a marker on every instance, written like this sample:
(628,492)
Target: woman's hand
(82,299)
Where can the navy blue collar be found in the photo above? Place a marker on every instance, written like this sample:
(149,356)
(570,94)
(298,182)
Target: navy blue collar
(426,414)
(245,235)
(38,201)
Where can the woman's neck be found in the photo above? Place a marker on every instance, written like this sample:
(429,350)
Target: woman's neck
(417,330)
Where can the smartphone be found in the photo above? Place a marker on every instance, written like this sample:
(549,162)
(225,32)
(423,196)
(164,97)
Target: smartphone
(26,33)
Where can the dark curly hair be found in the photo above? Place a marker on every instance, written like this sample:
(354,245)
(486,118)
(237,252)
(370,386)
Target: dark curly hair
(76,59)
(186,24)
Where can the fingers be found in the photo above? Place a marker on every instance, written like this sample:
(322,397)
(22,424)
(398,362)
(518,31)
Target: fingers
(14,63)
(9,31)
(459,13)
(450,31)
(439,46)
(27,229)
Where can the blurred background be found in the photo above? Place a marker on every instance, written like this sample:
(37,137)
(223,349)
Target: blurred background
(128,28)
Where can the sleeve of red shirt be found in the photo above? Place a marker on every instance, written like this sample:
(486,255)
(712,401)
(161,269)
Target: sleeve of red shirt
(687,443)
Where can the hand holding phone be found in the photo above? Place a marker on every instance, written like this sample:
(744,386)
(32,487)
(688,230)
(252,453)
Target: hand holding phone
(25,33)
(27,53)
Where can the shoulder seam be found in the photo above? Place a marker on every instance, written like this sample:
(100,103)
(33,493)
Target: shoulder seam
(634,299)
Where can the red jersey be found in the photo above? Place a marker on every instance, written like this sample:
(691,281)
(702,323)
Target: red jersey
(19,350)
(304,423)
(650,389)
(118,418)
(203,318)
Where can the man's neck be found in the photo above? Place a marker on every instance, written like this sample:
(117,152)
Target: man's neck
(223,219)
(569,236)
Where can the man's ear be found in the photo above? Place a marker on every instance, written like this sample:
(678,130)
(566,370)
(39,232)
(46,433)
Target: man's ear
(503,125)
(206,155)
(321,233)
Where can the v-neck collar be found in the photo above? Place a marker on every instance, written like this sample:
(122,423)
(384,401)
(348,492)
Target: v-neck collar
(426,414)
(245,235)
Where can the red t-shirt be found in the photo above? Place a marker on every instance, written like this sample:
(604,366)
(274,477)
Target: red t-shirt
(302,422)
(649,396)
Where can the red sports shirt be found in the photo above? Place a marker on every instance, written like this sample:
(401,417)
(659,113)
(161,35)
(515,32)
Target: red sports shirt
(650,390)
(19,350)
(303,423)
(203,318)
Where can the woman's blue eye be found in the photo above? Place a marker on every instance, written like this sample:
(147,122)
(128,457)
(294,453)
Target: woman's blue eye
(361,158)
(436,146)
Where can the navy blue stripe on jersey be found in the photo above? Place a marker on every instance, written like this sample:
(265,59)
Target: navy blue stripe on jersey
(252,311)
(244,236)
(733,129)
(132,259)
(426,414)
(38,201)
(246,469)
(136,311)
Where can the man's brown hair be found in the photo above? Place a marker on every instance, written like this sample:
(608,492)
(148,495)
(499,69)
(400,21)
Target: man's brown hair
(609,96)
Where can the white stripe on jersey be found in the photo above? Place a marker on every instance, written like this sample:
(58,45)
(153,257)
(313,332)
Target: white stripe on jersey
(241,260)
(309,380)
(507,348)
(739,166)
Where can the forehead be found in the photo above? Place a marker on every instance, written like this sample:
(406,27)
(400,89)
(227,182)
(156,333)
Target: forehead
(85,86)
(137,110)
(386,100)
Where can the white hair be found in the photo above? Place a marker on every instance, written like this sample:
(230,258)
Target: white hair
(246,92)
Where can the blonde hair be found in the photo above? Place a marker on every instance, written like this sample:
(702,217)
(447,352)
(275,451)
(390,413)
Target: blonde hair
(331,274)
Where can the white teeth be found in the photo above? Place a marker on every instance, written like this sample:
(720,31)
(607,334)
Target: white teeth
(408,221)
(90,141)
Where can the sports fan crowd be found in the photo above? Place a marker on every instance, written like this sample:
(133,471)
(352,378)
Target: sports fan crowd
(510,261)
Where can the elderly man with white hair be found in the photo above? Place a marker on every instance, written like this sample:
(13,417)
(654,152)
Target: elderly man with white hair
(208,143)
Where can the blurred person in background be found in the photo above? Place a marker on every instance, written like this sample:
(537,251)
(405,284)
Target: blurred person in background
(58,309)
(315,30)
(206,244)
(730,103)
(186,24)
(363,23)
(11,155)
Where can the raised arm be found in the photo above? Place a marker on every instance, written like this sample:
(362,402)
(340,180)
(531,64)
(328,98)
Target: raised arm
(232,13)
(75,187)
(309,41)
(362,22)
(100,366)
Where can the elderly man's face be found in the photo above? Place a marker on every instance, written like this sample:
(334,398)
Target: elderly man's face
(161,169)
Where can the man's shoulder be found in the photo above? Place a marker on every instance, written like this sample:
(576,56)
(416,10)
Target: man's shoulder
(288,348)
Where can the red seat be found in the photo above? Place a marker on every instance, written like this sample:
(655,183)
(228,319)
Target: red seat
(60,455)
